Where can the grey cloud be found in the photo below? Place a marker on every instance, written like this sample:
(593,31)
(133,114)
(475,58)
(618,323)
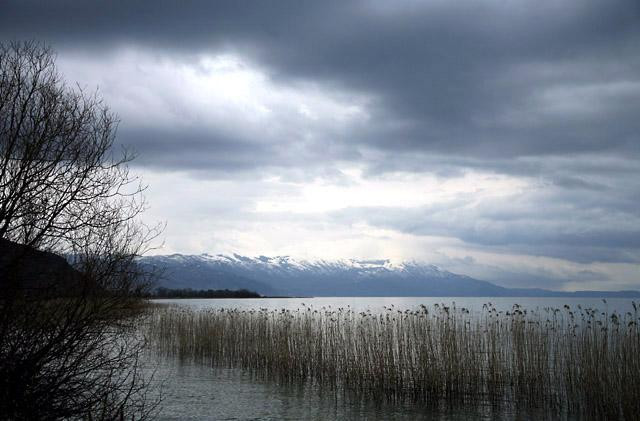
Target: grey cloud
(453,78)
(547,92)
(578,229)
(195,149)
(218,153)
(509,277)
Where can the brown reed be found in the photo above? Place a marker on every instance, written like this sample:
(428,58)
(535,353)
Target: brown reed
(570,361)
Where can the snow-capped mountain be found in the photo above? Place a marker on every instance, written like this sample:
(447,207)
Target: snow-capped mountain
(283,275)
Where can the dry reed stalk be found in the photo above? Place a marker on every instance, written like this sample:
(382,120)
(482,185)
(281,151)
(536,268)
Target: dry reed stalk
(569,360)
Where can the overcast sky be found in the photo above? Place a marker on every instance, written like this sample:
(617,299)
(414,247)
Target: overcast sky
(498,139)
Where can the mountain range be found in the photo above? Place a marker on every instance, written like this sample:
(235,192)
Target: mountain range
(285,276)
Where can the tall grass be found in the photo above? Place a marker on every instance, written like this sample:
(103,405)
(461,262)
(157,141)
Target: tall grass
(578,360)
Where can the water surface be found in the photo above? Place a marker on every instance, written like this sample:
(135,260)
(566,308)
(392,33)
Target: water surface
(377,304)
(193,391)
(196,392)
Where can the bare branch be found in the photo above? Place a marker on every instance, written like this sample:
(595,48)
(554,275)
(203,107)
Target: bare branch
(68,342)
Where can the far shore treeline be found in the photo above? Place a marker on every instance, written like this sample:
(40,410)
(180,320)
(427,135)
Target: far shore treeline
(202,293)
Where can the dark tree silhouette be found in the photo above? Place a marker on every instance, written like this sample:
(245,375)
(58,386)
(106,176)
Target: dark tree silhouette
(203,293)
(69,347)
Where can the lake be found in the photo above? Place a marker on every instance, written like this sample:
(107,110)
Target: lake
(377,304)
(197,391)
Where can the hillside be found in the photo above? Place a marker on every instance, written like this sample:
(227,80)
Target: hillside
(284,275)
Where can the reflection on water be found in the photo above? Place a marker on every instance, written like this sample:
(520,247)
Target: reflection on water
(195,392)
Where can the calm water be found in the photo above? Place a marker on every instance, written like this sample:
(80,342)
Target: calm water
(196,392)
(375,304)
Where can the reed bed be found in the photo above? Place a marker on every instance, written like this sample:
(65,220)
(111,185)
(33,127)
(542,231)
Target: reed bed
(571,361)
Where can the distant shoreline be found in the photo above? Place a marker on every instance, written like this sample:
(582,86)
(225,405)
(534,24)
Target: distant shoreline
(186,293)
(152,297)
(189,293)
(631,295)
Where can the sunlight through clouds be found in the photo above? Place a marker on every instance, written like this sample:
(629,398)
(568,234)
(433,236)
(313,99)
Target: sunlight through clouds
(401,190)
(210,90)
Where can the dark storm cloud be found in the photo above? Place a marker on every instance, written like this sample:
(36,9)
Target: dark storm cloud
(185,25)
(467,78)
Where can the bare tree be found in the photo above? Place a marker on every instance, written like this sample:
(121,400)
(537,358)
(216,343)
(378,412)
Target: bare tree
(68,341)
